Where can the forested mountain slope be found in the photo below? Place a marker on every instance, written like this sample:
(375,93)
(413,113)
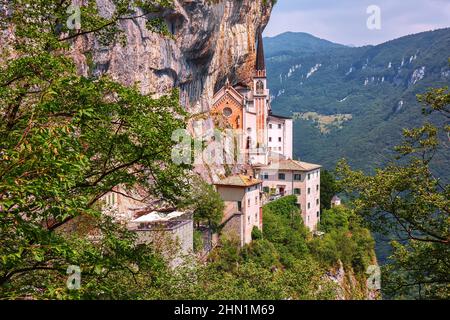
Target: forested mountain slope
(353,102)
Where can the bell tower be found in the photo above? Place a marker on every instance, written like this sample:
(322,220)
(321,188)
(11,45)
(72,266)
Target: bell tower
(261,96)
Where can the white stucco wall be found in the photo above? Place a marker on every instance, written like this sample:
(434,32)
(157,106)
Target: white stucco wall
(280,140)
(309,215)
(289,139)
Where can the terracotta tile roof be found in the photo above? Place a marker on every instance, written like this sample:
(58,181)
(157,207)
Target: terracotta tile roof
(291,165)
(239,181)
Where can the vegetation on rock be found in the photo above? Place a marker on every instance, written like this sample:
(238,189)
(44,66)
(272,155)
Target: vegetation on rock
(407,200)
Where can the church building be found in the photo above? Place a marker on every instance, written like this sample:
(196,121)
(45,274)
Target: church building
(265,141)
(247,111)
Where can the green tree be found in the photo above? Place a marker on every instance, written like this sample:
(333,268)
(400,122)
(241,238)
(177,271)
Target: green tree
(335,218)
(205,202)
(407,200)
(284,227)
(328,189)
(345,240)
(66,141)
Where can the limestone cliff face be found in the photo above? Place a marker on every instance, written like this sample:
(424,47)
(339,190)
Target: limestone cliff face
(350,285)
(212,40)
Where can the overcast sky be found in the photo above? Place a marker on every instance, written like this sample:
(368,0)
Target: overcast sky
(345,21)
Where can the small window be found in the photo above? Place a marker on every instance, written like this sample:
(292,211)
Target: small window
(259,87)
(309,205)
(279,148)
(318,214)
(270,139)
(239,204)
(266,189)
(317,188)
(309,190)
(297,191)
(248,202)
(256,200)
(270,126)
(265,176)
(297,177)
(317,201)
(309,176)
(110,199)
(281,176)
(248,219)
(279,139)
(279,126)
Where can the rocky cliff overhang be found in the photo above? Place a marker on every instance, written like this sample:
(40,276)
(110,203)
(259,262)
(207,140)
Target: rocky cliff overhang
(212,40)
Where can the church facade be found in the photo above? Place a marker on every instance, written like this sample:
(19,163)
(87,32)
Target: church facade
(247,111)
(265,141)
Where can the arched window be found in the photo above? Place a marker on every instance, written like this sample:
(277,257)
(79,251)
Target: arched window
(249,142)
(259,87)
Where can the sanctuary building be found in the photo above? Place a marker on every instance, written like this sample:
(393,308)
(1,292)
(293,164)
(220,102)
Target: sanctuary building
(265,140)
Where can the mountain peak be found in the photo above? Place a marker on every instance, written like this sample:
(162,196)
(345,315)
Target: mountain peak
(298,43)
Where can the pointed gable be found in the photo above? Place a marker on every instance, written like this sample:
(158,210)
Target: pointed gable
(228,93)
(228,104)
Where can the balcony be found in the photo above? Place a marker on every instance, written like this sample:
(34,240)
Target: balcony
(256,151)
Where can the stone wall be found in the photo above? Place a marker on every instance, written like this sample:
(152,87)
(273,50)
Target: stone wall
(233,229)
(175,242)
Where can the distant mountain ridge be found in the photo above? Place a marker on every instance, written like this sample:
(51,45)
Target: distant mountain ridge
(362,96)
(297,43)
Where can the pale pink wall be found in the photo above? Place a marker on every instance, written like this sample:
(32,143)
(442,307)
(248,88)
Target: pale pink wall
(309,215)
(123,207)
(289,139)
(311,218)
(250,210)
(230,196)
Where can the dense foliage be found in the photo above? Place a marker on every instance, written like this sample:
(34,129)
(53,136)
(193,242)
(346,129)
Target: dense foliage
(285,262)
(205,203)
(66,141)
(328,189)
(275,266)
(344,240)
(407,200)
